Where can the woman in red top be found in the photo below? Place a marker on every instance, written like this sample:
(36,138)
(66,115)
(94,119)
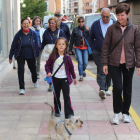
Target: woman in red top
(79,34)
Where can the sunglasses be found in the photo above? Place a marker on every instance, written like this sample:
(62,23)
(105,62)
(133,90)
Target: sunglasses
(80,21)
(105,16)
(52,23)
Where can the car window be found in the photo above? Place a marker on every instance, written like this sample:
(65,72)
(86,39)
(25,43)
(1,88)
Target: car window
(90,19)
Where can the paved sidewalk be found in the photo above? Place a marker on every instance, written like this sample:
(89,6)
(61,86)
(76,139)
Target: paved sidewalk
(25,117)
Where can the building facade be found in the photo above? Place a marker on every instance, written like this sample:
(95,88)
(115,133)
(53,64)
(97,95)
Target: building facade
(9,25)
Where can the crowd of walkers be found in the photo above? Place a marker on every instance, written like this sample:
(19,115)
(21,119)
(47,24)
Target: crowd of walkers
(115,48)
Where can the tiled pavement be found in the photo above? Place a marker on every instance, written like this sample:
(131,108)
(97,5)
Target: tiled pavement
(25,117)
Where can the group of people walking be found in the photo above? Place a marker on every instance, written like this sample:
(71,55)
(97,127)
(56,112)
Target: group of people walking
(115,48)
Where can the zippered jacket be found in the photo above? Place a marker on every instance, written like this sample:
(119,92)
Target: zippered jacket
(68,67)
(96,36)
(131,46)
(17,43)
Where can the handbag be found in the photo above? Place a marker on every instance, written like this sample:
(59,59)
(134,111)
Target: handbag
(48,49)
(89,49)
(121,38)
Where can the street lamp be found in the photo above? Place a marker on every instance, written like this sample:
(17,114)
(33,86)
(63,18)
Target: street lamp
(21,1)
(23,5)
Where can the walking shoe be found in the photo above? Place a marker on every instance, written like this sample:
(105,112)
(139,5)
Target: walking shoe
(84,74)
(102,94)
(126,118)
(38,76)
(108,93)
(81,78)
(50,89)
(116,118)
(22,92)
(36,84)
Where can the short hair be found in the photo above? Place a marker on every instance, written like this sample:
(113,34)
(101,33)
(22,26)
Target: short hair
(79,18)
(25,19)
(123,7)
(56,21)
(36,17)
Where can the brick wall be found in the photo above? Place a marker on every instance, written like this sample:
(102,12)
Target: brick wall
(102,4)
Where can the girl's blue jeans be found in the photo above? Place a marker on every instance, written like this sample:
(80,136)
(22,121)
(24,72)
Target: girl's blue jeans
(82,57)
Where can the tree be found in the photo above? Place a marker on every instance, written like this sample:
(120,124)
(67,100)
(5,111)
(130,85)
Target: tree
(33,8)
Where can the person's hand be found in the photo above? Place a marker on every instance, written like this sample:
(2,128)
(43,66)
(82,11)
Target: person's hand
(70,53)
(75,81)
(105,69)
(10,61)
(87,27)
(49,74)
(138,71)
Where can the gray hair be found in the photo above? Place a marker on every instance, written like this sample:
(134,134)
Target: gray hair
(105,9)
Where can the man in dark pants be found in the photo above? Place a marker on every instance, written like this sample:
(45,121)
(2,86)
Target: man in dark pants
(63,26)
(96,38)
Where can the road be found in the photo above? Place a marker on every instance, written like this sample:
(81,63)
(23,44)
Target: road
(135,90)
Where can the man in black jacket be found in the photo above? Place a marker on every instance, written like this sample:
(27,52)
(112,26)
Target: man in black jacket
(96,38)
(63,26)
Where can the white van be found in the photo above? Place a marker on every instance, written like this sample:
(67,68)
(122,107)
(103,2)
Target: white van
(45,21)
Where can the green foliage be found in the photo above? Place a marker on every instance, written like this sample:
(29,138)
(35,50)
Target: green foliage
(49,13)
(33,8)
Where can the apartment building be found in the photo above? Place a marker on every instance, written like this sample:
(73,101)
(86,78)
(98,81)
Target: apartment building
(51,6)
(9,25)
(89,6)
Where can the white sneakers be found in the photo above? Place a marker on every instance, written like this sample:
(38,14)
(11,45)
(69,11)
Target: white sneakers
(108,93)
(36,84)
(126,118)
(116,118)
(102,94)
(22,92)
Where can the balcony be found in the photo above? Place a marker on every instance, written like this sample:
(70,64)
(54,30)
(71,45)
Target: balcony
(71,1)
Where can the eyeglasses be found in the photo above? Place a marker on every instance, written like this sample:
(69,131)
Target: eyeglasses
(52,23)
(80,21)
(105,16)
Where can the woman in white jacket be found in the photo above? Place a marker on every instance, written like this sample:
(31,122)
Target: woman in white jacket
(39,30)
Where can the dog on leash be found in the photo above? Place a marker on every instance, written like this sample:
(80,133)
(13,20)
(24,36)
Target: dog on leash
(63,128)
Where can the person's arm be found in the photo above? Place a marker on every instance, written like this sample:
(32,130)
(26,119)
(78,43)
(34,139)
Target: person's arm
(71,41)
(71,68)
(67,33)
(48,64)
(106,47)
(36,44)
(44,40)
(13,47)
(137,50)
(91,37)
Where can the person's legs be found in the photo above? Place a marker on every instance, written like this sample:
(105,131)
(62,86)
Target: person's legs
(32,66)
(85,58)
(38,62)
(101,77)
(57,88)
(21,63)
(116,74)
(67,100)
(127,88)
(80,61)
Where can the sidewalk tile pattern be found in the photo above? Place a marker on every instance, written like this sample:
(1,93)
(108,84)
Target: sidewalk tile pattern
(26,117)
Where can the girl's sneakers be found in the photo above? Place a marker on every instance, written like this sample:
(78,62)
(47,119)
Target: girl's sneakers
(81,78)
(126,118)
(116,118)
(22,92)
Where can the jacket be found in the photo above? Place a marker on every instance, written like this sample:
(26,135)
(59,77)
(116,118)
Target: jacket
(42,30)
(66,30)
(16,45)
(131,46)
(68,67)
(96,36)
(76,37)
(48,38)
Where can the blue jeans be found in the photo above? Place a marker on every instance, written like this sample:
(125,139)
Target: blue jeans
(82,57)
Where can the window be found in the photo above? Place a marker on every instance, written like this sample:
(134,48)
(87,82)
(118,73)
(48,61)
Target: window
(0,31)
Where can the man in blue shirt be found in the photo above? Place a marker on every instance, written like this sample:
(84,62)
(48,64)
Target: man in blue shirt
(96,38)
(63,26)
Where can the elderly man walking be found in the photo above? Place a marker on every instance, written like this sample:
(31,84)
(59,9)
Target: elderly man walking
(96,38)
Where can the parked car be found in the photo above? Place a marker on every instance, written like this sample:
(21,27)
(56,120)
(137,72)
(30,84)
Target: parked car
(89,19)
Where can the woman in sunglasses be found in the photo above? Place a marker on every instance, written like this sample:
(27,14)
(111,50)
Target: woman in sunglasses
(79,38)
